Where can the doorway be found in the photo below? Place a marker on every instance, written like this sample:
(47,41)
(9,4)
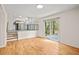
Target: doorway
(52,29)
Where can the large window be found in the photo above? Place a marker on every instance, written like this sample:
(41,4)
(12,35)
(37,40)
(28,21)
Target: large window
(32,26)
(28,26)
(51,27)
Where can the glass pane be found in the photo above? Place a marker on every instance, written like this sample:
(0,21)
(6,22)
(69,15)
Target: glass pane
(47,28)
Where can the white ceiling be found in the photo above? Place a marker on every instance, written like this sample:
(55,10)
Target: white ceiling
(30,10)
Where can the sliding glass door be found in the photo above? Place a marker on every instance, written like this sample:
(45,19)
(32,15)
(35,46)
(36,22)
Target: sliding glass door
(51,27)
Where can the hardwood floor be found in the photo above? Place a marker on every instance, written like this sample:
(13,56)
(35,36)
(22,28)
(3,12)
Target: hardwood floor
(68,50)
(37,46)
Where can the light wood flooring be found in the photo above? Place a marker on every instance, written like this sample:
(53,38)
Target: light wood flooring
(37,46)
(68,50)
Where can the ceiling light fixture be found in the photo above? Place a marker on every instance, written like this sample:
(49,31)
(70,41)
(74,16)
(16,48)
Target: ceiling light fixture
(39,6)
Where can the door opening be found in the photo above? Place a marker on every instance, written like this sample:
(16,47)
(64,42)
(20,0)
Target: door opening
(52,29)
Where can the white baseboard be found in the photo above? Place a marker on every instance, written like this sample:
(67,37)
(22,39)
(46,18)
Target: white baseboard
(73,45)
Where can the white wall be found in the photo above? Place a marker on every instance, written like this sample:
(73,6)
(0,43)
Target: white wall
(41,31)
(69,27)
(11,20)
(27,34)
(3,25)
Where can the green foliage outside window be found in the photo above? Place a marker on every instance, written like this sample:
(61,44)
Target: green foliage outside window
(51,27)
(47,28)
